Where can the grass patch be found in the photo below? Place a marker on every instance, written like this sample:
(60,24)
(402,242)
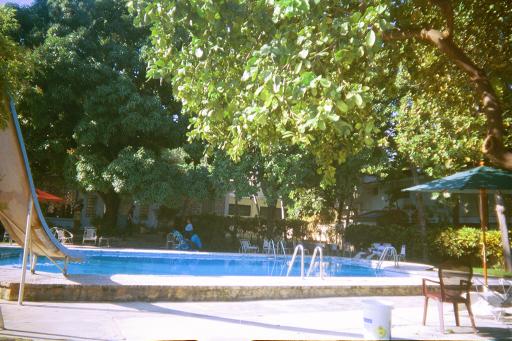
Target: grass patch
(496,272)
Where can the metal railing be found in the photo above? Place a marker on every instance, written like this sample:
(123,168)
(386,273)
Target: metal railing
(297,248)
(388,251)
(318,249)
(283,248)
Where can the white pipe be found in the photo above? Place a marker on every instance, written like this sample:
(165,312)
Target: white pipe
(33,262)
(26,249)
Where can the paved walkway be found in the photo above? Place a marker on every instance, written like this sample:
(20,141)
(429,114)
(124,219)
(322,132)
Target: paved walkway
(317,319)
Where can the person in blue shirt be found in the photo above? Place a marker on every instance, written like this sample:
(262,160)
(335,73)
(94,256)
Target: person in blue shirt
(196,242)
(193,238)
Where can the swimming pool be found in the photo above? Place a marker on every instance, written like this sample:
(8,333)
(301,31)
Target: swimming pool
(110,262)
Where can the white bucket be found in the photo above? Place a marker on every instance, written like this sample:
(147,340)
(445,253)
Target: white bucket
(377,319)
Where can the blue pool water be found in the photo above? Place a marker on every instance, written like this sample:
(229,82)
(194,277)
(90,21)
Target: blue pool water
(106,262)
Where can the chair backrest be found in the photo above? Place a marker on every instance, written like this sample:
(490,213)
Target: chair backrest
(170,237)
(60,234)
(455,277)
(402,250)
(90,233)
(245,243)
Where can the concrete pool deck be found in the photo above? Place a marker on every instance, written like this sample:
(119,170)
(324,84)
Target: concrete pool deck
(137,307)
(338,318)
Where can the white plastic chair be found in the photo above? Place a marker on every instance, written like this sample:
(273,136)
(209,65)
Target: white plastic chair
(64,236)
(176,241)
(401,255)
(246,247)
(7,238)
(89,235)
(266,246)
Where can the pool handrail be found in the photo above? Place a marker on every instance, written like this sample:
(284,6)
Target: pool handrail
(297,248)
(318,249)
(387,250)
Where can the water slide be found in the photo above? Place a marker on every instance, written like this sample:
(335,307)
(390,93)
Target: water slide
(18,198)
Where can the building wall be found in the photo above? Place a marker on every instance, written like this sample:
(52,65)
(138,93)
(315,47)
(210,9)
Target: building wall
(373,195)
(247,206)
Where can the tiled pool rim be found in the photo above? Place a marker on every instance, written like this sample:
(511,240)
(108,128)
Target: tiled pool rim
(117,288)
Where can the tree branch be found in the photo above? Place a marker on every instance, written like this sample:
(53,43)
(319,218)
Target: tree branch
(493,146)
(447,11)
(397,34)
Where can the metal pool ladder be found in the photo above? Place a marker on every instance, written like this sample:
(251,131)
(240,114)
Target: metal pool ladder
(297,248)
(318,249)
(388,250)
(281,244)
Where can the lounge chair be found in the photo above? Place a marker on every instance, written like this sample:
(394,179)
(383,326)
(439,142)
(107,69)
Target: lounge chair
(90,235)
(246,247)
(377,249)
(500,301)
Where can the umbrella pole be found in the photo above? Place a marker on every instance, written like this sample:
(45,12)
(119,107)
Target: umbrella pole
(484,222)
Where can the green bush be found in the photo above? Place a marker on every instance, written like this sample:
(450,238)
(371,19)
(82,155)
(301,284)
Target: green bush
(216,234)
(466,243)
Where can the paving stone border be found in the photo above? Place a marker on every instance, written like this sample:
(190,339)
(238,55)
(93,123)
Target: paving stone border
(120,293)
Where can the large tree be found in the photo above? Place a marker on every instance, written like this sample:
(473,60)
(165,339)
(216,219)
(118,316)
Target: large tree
(91,114)
(308,73)
(15,65)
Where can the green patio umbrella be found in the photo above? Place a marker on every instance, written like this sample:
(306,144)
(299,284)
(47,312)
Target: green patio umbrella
(479,180)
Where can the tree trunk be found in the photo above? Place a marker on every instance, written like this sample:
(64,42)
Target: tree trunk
(271,216)
(339,210)
(258,212)
(349,209)
(456,210)
(420,207)
(112,201)
(237,214)
(502,222)
(185,206)
(339,216)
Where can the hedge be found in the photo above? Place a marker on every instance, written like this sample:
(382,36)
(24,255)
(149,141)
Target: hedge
(220,233)
(443,243)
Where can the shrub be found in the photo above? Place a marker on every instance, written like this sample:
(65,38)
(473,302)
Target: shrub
(362,236)
(466,243)
(216,234)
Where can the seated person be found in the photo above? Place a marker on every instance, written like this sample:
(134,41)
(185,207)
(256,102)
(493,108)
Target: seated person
(178,240)
(196,242)
(193,240)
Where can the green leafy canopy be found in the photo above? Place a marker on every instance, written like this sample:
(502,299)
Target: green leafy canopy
(263,73)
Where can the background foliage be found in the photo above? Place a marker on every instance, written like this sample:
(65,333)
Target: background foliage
(445,242)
